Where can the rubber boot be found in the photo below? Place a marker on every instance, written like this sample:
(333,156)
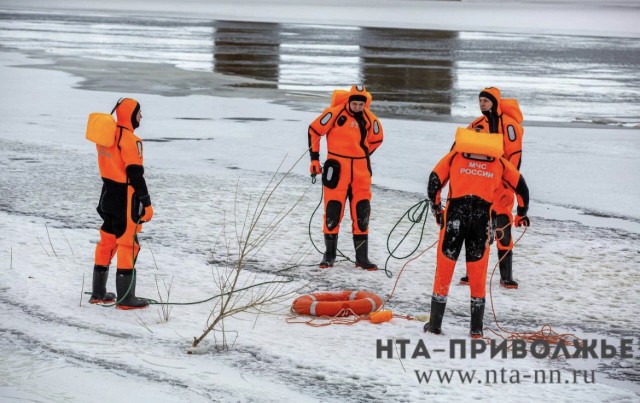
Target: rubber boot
(477,315)
(506,279)
(361,245)
(126,288)
(464,280)
(331,245)
(99,294)
(438,303)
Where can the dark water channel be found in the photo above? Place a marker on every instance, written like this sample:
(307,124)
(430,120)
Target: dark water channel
(412,73)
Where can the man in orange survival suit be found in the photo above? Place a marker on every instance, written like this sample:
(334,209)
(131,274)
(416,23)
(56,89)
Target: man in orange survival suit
(353,134)
(495,121)
(123,202)
(473,180)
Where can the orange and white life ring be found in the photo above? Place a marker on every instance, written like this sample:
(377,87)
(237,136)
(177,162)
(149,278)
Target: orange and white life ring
(333,303)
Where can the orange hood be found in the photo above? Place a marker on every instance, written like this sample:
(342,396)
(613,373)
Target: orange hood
(126,111)
(359,92)
(493,94)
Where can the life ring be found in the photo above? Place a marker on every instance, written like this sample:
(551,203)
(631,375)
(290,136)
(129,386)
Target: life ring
(333,303)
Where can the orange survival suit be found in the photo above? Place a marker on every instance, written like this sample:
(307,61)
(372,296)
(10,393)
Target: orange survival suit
(351,139)
(497,121)
(473,180)
(124,202)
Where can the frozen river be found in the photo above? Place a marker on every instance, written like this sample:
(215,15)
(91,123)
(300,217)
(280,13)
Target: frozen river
(224,101)
(412,73)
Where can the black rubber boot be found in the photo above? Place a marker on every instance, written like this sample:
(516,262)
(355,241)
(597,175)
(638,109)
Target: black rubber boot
(361,244)
(506,279)
(464,280)
(126,288)
(99,294)
(438,303)
(477,315)
(331,245)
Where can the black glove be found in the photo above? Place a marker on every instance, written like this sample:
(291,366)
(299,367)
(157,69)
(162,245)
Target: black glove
(522,221)
(438,213)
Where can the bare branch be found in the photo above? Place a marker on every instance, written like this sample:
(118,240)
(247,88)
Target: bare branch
(50,243)
(241,292)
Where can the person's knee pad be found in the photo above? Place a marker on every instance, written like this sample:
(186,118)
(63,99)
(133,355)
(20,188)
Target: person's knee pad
(332,214)
(503,231)
(450,245)
(363,211)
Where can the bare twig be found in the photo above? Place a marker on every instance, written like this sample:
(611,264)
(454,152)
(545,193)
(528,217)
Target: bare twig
(164,306)
(237,292)
(43,248)
(50,243)
(152,255)
(68,243)
(399,359)
(143,323)
(82,289)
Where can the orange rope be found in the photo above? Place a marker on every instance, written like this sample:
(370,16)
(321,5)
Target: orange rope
(501,232)
(345,317)
(348,317)
(339,318)
(545,333)
(402,269)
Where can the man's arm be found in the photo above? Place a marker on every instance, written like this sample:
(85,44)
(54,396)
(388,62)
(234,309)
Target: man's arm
(439,178)
(131,149)
(375,136)
(318,128)
(512,178)
(513,133)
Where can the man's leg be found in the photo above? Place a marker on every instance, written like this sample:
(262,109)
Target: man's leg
(335,182)
(360,208)
(105,250)
(128,248)
(449,247)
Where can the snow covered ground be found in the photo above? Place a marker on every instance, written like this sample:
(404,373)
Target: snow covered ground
(577,265)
